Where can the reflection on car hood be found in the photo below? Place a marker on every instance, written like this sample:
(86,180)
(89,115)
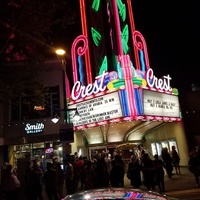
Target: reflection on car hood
(117,193)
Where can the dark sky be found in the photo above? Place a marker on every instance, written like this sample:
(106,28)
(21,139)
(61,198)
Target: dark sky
(172,33)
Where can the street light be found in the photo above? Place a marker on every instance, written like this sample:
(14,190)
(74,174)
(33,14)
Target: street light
(61,53)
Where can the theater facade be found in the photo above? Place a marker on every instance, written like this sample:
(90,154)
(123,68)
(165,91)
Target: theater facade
(121,101)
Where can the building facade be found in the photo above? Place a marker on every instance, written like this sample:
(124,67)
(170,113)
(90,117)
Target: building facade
(34,134)
(121,102)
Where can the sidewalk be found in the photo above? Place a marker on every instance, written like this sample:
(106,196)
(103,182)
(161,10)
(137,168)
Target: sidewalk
(178,184)
(184,183)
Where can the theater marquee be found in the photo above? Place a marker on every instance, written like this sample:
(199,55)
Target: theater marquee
(98,109)
(160,104)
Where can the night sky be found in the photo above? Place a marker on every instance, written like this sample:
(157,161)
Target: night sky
(171,30)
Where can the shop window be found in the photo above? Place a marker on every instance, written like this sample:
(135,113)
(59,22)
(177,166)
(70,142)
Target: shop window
(21,152)
(38,145)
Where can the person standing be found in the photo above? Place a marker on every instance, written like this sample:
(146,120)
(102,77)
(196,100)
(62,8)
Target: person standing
(133,173)
(3,169)
(120,169)
(90,176)
(194,165)
(61,180)
(159,173)
(148,170)
(101,172)
(176,160)
(114,174)
(27,181)
(10,184)
(166,157)
(51,179)
(36,180)
(69,174)
(78,170)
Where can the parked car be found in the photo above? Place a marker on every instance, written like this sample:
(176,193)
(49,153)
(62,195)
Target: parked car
(118,193)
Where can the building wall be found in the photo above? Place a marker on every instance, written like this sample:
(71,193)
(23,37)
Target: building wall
(15,132)
(170,131)
(52,76)
(190,107)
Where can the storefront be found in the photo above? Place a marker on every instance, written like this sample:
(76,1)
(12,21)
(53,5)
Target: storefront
(33,139)
(43,151)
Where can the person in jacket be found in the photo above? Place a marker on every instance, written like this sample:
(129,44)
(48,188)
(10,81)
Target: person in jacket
(90,176)
(27,181)
(133,173)
(166,157)
(159,173)
(69,176)
(148,170)
(36,180)
(61,180)
(51,180)
(10,184)
(194,165)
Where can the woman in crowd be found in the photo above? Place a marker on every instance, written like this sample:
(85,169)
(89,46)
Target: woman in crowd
(89,176)
(176,160)
(134,169)
(159,173)
(10,184)
(148,169)
(166,157)
(36,180)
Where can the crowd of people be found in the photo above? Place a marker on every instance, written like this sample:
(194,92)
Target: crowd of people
(30,187)
(150,172)
(100,171)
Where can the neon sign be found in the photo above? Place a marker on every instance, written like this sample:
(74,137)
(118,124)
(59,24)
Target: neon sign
(102,83)
(34,128)
(82,91)
(120,65)
(162,84)
(49,150)
(39,108)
